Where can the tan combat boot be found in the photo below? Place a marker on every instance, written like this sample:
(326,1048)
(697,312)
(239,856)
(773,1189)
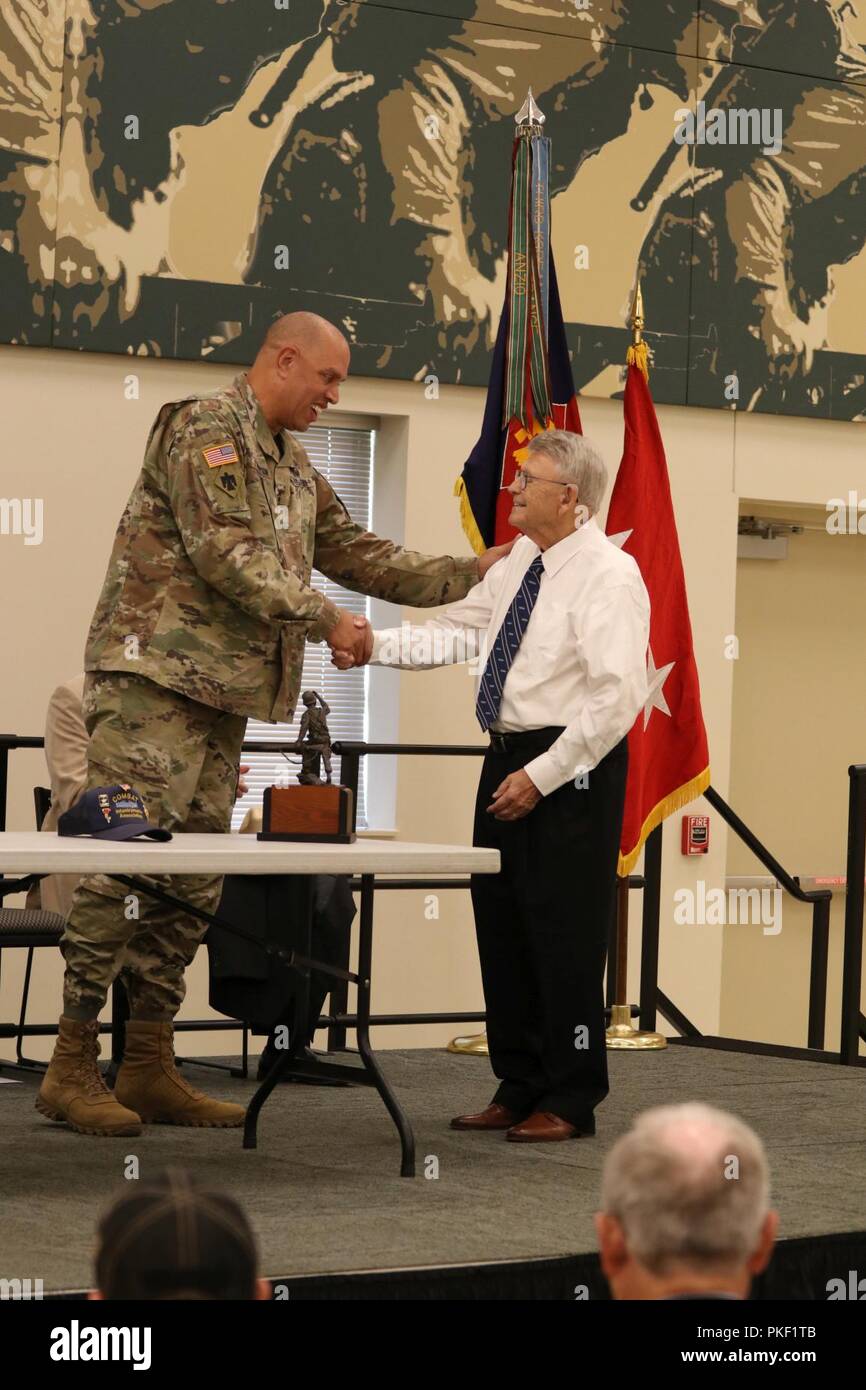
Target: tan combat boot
(73,1090)
(148,1082)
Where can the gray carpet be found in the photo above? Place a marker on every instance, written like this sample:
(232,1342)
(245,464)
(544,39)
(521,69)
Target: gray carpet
(323,1188)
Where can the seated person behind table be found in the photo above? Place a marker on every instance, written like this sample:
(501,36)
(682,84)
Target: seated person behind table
(66,755)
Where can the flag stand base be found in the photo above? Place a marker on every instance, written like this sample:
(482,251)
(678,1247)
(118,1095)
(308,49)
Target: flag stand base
(622,1034)
(474,1046)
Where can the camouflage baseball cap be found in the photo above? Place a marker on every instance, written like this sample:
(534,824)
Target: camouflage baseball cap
(110,813)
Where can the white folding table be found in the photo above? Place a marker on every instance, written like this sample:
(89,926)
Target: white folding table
(38,853)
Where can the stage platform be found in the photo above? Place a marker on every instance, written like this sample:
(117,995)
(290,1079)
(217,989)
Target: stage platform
(335,1220)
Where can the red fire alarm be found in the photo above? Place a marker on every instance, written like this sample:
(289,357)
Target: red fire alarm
(696,834)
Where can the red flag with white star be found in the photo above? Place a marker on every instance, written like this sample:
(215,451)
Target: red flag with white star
(668,758)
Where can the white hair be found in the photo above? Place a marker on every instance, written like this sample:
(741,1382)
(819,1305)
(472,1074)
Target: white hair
(688,1185)
(578,461)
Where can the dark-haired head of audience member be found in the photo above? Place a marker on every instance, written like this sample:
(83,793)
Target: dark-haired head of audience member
(685,1206)
(168,1238)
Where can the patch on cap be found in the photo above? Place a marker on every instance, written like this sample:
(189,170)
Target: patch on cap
(110,813)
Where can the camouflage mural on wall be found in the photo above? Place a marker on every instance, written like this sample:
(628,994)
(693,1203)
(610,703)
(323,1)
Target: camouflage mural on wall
(175,172)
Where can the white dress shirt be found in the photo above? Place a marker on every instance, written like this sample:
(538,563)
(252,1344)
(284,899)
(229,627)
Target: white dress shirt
(581,662)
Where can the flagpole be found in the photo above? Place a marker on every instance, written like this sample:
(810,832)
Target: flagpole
(529,122)
(621,1033)
(638,353)
(520,399)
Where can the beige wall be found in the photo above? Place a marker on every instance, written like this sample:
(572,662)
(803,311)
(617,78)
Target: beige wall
(797,710)
(70,436)
(798,724)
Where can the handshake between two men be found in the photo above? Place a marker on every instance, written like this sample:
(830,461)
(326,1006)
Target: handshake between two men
(351,638)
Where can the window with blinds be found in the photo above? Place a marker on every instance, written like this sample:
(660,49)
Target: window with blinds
(345,457)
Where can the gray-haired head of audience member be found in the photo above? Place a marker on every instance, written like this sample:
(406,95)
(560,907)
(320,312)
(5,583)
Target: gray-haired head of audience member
(578,461)
(685,1206)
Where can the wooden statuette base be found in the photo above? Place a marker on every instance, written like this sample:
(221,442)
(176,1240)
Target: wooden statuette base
(320,814)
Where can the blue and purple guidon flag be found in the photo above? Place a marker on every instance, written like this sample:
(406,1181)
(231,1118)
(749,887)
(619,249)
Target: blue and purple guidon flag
(531,387)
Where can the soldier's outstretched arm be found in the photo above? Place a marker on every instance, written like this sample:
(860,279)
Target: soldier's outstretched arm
(365,563)
(455,635)
(215,528)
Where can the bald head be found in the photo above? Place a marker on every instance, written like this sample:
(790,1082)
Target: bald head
(301,330)
(298,370)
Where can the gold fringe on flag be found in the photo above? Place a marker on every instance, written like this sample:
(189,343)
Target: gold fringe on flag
(638,356)
(467,519)
(689,791)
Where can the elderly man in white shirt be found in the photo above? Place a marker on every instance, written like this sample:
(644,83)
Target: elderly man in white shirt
(561,625)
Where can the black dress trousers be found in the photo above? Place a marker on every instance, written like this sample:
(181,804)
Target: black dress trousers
(542,925)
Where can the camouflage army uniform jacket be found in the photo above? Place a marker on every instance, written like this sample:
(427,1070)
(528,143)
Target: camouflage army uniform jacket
(208,586)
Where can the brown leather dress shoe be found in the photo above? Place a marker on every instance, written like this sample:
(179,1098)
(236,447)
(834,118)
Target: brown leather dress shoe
(545,1128)
(494,1117)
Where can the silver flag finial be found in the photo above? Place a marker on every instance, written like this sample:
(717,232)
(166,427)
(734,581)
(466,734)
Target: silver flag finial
(529,112)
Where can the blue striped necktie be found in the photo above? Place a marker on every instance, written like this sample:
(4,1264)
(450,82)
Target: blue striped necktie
(504,649)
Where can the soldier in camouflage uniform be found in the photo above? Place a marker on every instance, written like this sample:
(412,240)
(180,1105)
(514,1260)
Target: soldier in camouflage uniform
(201,623)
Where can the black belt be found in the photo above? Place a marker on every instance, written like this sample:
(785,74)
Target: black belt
(524,741)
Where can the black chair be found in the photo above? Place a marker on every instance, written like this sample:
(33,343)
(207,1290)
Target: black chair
(27,929)
(41,804)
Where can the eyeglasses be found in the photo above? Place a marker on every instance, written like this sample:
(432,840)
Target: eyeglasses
(522,477)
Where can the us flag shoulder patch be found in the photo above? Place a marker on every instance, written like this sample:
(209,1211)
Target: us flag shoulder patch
(219,454)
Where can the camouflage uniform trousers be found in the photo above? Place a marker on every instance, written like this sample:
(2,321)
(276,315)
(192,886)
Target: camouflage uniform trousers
(183,758)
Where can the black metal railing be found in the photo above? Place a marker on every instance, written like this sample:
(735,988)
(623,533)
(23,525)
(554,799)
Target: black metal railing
(853,1022)
(8,743)
(652,999)
(820,899)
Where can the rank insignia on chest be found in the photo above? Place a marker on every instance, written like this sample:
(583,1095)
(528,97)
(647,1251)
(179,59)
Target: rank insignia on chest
(216,455)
